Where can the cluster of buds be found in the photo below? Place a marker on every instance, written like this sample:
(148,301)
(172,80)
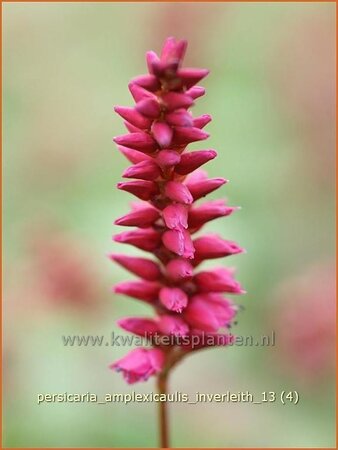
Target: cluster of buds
(168,181)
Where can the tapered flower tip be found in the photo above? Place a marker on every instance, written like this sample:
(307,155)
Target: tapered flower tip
(142,189)
(193,160)
(133,155)
(153,63)
(145,239)
(144,170)
(203,187)
(174,326)
(218,280)
(173,51)
(142,267)
(139,93)
(195,92)
(138,325)
(179,269)
(213,246)
(190,76)
(162,133)
(186,135)
(137,141)
(180,118)
(173,299)
(142,217)
(149,82)
(179,242)
(140,364)
(168,158)
(132,116)
(142,290)
(202,121)
(149,107)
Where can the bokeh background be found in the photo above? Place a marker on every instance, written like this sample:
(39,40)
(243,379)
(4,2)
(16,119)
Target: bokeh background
(271,93)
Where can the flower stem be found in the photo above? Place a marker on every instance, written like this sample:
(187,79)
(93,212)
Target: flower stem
(163,412)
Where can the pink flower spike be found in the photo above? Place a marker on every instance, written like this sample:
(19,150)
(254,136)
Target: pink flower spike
(162,133)
(195,92)
(193,160)
(144,190)
(138,141)
(186,135)
(175,100)
(212,246)
(144,239)
(171,325)
(168,158)
(144,170)
(202,188)
(179,242)
(191,76)
(142,290)
(142,267)
(202,121)
(178,192)
(218,280)
(139,325)
(173,299)
(175,217)
(139,364)
(149,107)
(179,269)
(133,155)
(133,117)
(149,82)
(142,218)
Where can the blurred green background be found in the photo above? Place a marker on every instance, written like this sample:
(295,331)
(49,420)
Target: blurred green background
(271,92)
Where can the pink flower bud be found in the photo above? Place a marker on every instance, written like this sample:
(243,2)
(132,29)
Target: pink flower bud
(195,92)
(142,218)
(186,135)
(149,82)
(173,52)
(179,269)
(179,242)
(149,107)
(202,121)
(180,118)
(193,160)
(178,192)
(171,325)
(191,76)
(209,312)
(138,141)
(144,170)
(139,325)
(173,299)
(139,364)
(175,100)
(202,188)
(142,290)
(168,158)
(175,217)
(139,93)
(162,133)
(212,246)
(133,155)
(133,117)
(153,63)
(142,267)
(218,280)
(144,190)
(146,239)
(208,211)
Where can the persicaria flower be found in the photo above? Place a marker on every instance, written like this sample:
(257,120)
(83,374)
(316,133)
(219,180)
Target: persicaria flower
(168,181)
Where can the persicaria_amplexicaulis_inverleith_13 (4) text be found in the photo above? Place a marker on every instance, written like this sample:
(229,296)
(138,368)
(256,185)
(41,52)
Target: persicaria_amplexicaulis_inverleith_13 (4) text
(168,181)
